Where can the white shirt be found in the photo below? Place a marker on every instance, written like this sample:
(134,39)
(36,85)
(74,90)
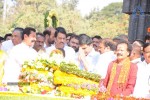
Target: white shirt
(69,52)
(138,60)
(92,59)
(7,45)
(17,55)
(142,87)
(103,62)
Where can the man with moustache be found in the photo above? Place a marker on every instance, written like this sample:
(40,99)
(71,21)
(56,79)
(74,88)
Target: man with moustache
(96,39)
(60,43)
(121,74)
(19,54)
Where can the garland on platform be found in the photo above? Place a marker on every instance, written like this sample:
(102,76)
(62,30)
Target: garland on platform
(52,74)
(72,84)
(72,69)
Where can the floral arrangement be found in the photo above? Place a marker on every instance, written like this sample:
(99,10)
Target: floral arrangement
(106,96)
(46,74)
(37,76)
(70,84)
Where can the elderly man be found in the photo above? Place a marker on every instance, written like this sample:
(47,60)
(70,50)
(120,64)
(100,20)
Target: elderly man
(16,39)
(19,54)
(142,87)
(135,55)
(121,74)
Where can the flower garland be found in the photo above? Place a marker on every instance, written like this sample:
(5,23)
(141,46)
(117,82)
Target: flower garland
(70,90)
(51,19)
(71,84)
(123,74)
(106,96)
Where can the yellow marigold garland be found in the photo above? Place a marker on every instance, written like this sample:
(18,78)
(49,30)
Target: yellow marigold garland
(123,74)
(70,90)
(64,78)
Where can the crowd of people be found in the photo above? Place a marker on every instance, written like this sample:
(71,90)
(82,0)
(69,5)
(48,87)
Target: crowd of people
(124,67)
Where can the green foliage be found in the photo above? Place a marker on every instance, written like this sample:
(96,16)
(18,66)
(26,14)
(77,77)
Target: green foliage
(108,22)
(112,9)
(1,8)
(54,21)
(45,19)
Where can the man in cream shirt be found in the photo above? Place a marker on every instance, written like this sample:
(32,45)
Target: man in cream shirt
(142,86)
(18,54)
(60,43)
(106,48)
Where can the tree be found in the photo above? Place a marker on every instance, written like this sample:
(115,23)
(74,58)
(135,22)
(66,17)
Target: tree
(1,8)
(31,13)
(108,22)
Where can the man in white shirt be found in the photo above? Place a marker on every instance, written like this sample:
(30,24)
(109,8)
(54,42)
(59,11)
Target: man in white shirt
(60,42)
(87,56)
(142,86)
(106,49)
(18,54)
(16,39)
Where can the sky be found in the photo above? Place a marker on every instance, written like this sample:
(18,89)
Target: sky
(85,6)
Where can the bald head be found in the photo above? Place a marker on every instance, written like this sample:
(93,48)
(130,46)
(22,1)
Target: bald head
(136,52)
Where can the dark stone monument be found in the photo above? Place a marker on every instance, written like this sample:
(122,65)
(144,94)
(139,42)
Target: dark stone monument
(139,23)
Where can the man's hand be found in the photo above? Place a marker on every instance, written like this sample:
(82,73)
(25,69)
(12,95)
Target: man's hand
(81,56)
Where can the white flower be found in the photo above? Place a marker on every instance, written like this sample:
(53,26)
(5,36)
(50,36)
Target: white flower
(46,68)
(50,74)
(39,65)
(24,66)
